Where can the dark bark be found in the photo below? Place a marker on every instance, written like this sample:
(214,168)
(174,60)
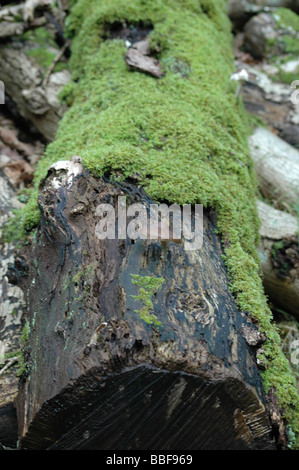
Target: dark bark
(100,377)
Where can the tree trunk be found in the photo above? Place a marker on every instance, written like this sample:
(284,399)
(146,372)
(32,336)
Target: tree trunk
(102,377)
(142,344)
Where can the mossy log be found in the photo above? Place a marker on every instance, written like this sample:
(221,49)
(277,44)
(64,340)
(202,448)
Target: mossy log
(99,376)
(182,138)
(277,167)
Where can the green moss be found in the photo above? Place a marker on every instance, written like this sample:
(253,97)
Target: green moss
(85,275)
(288,21)
(291,44)
(148,287)
(13,229)
(286,18)
(184,136)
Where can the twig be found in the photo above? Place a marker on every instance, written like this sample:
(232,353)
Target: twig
(10,362)
(56,59)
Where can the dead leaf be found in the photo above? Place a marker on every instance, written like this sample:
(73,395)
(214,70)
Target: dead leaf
(137,61)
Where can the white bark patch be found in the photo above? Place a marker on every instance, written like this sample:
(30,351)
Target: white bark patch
(175,396)
(65,171)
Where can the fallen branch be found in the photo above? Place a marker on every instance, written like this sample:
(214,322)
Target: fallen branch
(52,66)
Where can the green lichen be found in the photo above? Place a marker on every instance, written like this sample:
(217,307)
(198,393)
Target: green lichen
(148,287)
(22,363)
(13,229)
(292,439)
(84,276)
(184,135)
(287,23)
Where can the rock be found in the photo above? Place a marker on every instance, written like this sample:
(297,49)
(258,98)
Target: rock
(259,33)
(240,11)
(268,35)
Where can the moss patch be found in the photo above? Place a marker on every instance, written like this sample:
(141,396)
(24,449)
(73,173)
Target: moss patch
(287,25)
(184,136)
(148,287)
(23,364)
(287,19)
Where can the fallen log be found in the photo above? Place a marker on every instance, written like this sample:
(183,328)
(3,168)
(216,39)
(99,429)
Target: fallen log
(99,374)
(278,252)
(23,79)
(11,313)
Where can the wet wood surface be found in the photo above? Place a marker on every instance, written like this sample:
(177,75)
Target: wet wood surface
(98,375)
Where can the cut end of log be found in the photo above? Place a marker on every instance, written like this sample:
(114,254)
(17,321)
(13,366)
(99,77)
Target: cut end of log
(148,408)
